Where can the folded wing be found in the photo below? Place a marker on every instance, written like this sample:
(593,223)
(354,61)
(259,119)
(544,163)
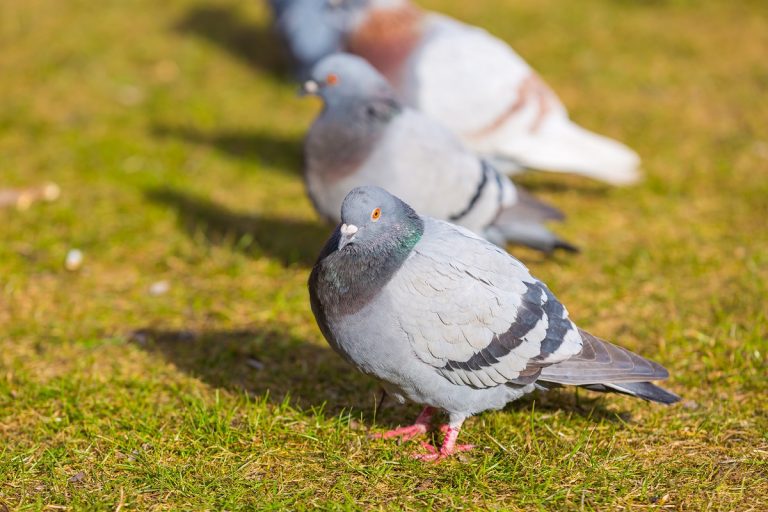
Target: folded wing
(476,314)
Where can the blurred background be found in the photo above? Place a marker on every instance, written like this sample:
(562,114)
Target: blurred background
(157,345)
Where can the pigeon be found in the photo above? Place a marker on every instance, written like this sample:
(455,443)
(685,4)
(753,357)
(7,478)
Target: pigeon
(309,29)
(366,136)
(445,319)
(472,82)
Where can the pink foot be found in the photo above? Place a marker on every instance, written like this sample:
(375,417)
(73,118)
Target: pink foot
(448,448)
(405,433)
(436,456)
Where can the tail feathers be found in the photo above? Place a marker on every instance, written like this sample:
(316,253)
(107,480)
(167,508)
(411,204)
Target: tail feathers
(529,207)
(523,223)
(529,233)
(644,390)
(599,362)
(566,246)
(569,148)
(602,366)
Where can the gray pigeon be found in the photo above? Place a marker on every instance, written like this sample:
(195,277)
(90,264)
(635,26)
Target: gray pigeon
(447,320)
(365,136)
(310,29)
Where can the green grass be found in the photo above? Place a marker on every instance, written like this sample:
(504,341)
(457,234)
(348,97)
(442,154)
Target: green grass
(175,133)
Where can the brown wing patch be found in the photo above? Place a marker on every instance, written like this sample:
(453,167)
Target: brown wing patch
(386,39)
(532,90)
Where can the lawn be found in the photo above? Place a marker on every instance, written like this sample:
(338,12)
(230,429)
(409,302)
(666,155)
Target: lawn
(180,367)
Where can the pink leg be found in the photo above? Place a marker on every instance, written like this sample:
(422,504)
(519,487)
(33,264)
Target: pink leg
(449,446)
(405,433)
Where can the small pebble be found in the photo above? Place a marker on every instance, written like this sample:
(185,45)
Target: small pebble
(130,95)
(50,192)
(25,200)
(140,336)
(77,477)
(254,363)
(690,404)
(74,260)
(159,288)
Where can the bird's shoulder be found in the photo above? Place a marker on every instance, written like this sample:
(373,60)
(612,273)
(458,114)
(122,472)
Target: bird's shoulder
(468,256)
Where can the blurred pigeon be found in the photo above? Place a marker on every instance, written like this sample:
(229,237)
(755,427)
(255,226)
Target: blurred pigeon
(364,136)
(310,29)
(278,6)
(473,83)
(447,320)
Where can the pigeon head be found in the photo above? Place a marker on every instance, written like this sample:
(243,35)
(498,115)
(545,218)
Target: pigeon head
(278,6)
(313,29)
(342,76)
(371,216)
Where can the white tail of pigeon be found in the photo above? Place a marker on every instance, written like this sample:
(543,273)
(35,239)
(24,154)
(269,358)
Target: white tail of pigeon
(566,147)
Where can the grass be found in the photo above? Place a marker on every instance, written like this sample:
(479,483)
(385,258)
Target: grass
(174,132)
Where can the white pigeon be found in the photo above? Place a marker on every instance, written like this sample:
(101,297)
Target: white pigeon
(476,85)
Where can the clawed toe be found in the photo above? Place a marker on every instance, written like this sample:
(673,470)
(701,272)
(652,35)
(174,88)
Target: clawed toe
(428,457)
(435,455)
(427,446)
(404,433)
(448,448)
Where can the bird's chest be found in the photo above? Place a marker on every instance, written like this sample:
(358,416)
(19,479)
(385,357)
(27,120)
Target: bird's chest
(371,339)
(336,149)
(336,163)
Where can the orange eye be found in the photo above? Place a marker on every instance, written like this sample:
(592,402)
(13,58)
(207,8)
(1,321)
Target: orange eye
(331,79)
(375,214)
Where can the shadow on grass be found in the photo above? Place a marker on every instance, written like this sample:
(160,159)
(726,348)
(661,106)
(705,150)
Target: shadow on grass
(269,363)
(260,147)
(291,241)
(260,362)
(586,404)
(560,183)
(256,45)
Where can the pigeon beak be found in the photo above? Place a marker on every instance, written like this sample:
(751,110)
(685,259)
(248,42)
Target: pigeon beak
(347,234)
(309,88)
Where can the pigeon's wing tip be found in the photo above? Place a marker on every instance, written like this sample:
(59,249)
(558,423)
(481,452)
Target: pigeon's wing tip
(566,246)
